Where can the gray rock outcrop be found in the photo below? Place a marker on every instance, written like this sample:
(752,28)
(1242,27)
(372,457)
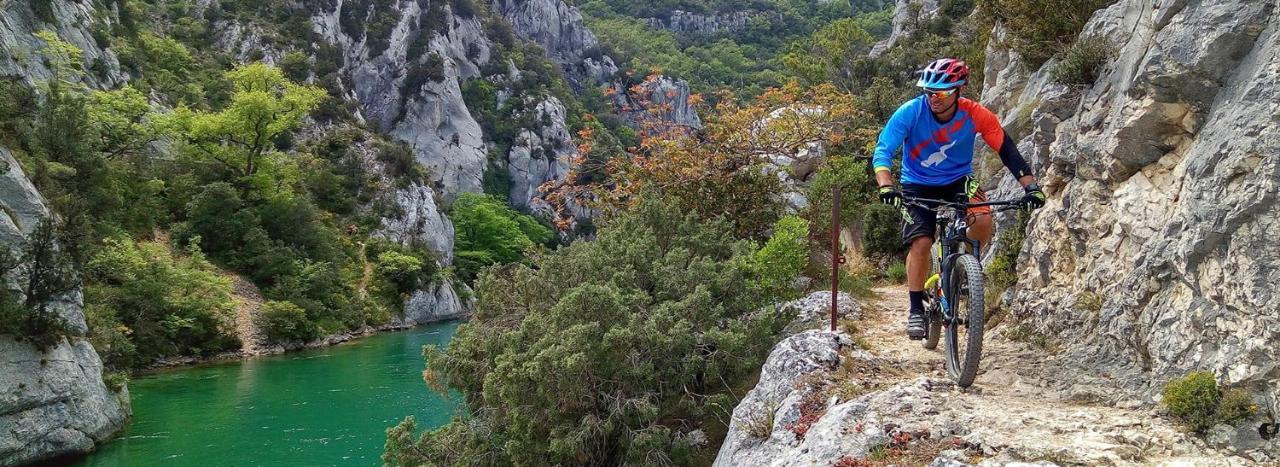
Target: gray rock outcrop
(688,22)
(907,16)
(70,21)
(432,119)
(53,402)
(437,302)
(1163,178)
(659,99)
(540,154)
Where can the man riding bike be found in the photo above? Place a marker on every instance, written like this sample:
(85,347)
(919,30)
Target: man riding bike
(936,132)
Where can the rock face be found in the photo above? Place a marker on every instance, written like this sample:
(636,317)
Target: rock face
(1163,179)
(540,154)
(432,119)
(907,15)
(437,302)
(687,22)
(19,21)
(659,99)
(53,401)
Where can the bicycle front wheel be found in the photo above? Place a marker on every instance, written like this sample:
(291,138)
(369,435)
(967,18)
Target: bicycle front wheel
(964,332)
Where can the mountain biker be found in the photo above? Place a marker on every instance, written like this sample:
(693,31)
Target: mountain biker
(936,132)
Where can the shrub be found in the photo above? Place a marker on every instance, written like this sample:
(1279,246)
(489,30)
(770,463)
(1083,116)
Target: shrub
(897,272)
(490,232)
(882,230)
(403,270)
(1040,29)
(567,359)
(145,303)
(116,380)
(295,66)
(783,257)
(284,322)
(1082,62)
(1196,401)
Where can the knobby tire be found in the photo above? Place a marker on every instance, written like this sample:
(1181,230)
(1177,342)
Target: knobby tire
(966,302)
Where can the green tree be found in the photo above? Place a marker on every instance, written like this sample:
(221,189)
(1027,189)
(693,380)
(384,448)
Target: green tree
(604,352)
(145,302)
(836,54)
(490,232)
(264,105)
(121,122)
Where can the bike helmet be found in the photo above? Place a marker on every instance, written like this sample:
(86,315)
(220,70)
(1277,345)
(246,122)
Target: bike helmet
(944,73)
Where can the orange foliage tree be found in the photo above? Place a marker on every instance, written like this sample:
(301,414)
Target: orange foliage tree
(721,170)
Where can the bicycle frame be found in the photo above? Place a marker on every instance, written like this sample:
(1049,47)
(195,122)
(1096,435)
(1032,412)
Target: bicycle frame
(951,233)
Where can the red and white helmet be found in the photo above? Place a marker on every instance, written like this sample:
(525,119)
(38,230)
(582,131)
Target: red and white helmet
(944,73)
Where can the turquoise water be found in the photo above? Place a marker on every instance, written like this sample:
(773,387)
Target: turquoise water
(327,406)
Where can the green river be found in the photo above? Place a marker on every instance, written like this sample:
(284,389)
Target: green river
(328,406)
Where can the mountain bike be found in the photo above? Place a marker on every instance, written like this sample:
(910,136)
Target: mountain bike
(954,294)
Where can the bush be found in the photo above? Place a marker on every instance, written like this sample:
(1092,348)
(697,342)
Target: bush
(295,66)
(144,303)
(1040,29)
(1196,401)
(284,322)
(567,359)
(783,257)
(897,272)
(1082,62)
(882,230)
(490,232)
(116,380)
(403,270)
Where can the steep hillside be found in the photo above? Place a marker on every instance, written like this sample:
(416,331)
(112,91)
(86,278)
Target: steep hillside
(1163,174)
(1154,137)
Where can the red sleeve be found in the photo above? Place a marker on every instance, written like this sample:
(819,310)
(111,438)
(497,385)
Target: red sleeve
(985,122)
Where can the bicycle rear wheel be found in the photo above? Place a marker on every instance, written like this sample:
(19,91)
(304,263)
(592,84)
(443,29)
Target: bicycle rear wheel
(964,332)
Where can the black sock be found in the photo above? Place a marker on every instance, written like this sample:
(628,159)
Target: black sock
(917,300)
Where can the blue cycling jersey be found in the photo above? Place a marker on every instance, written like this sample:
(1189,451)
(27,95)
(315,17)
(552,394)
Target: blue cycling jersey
(937,153)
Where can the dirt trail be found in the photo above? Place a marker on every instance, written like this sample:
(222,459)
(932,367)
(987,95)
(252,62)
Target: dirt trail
(1010,407)
(248,301)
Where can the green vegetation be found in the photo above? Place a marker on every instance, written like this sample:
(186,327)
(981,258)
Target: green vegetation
(603,352)
(489,232)
(897,272)
(1197,402)
(1041,29)
(1082,62)
(1002,272)
(783,257)
(285,322)
(145,303)
(746,61)
(48,276)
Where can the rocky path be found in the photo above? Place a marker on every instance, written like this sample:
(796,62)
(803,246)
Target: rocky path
(875,398)
(1011,413)
(248,301)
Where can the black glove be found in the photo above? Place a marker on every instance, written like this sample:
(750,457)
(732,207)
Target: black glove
(890,196)
(1034,198)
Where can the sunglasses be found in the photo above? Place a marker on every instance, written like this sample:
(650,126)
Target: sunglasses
(940,93)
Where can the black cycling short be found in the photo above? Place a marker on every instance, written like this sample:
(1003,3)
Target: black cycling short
(922,222)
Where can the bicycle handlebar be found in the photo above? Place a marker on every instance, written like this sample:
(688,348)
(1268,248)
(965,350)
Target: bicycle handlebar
(936,203)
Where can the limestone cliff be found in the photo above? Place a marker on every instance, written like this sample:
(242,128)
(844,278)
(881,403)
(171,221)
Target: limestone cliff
(53,401)
(1163,179)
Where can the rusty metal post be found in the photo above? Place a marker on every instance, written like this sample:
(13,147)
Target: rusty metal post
(837,256)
